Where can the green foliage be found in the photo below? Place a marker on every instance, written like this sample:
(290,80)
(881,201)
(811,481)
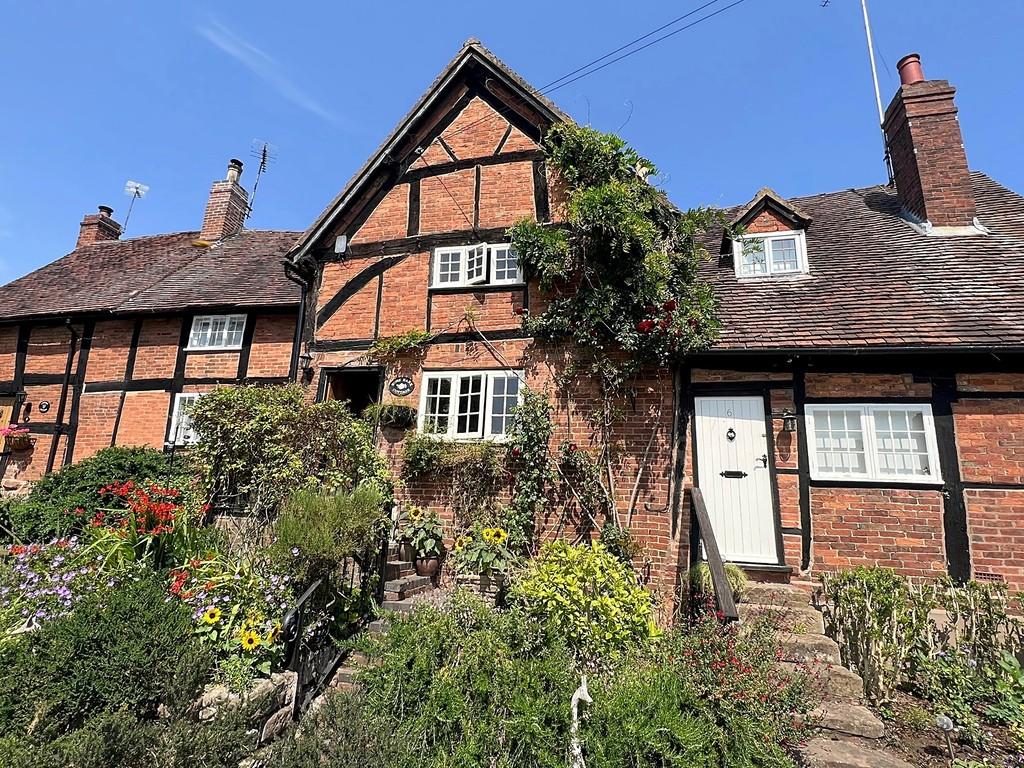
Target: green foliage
(528,441)
(389,348)
(316,532)
(623,272)
(588,597)
(390,415)
(258,445)
(620,542)
(49,509)
(118,651)
(876,619)
(423,530)
(469,686)
(484,550)
(475,472)
(706,695)
(702,586)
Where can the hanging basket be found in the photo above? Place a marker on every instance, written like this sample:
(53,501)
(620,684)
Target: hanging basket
(19,442)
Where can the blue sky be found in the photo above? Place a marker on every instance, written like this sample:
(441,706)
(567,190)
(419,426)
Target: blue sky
(771,92)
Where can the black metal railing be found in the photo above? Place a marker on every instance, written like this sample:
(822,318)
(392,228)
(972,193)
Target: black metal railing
(314,650)
(723,592)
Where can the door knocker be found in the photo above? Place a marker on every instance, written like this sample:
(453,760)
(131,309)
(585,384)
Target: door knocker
(730,434)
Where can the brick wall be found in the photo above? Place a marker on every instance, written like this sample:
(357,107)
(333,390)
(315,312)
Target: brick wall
(97,415)
(271,353)
(158,348)
(990,439)
(997,537)
(144,419)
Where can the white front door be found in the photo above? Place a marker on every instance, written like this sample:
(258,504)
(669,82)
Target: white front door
(733,474)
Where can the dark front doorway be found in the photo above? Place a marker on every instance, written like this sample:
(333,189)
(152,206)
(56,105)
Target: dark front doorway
(359,386)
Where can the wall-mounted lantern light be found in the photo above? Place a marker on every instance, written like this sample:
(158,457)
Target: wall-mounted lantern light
(788,420)
(306,366)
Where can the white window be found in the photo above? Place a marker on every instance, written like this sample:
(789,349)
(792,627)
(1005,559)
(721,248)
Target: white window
(182,431)
(217,332)
(462,405)
(479,264)
(780,253)
(873,442)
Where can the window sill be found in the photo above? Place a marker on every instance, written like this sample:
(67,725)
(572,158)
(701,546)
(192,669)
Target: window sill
(212,349)
(931,484)
(483,288)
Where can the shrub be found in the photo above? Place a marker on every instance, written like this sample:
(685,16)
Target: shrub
(423,530)
(49,509)
(466,685)
(703,587)
(258,445)
(484,551)
(118,650)
(588,597)
(316,532)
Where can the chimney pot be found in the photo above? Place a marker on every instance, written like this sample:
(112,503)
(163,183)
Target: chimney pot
(234,170)
(106,211)
(910,69)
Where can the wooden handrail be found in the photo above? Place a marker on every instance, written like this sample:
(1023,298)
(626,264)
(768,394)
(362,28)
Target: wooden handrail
(723,592)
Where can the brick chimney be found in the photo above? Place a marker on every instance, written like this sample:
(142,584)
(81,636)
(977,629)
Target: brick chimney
(927,150)
(227,206)
(98,227)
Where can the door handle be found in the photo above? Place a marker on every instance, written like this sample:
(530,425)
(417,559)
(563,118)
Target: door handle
(733,474)
(764,461)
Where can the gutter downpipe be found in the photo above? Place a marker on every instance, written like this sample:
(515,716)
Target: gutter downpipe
(292,274)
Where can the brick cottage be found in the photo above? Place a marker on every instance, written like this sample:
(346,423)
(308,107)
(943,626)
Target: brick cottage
(863,404)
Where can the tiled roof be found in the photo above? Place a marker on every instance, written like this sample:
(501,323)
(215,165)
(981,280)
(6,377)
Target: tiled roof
(875,282)
(157,273)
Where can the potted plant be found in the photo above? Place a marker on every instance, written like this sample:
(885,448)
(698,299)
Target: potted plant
(483,559)
(423,532)
(390,415)
(16,437)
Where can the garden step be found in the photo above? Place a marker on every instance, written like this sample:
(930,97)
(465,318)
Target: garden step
(823,752)
(798,619)
(377,627)
(832,681)
(407,586)
(776,594)
(345,678)
(401,606)
(809,648)
(396,569)
(851,719)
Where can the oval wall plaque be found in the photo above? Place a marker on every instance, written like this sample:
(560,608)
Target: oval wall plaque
(401,386)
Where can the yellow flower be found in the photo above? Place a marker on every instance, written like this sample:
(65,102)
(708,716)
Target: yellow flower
(488,534)
(249,640)
(415,514)
(462,542)
(499,536)
(212,616)
(274,632)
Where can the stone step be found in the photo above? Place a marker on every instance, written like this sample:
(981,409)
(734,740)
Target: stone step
(776,594)
(823,752)
(396,569)
(401,606)
(807,648)
(797,619)
(377,627)
(850,719)
(831,681)
(407,586)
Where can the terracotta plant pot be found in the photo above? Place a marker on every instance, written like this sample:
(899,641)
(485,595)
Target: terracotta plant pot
(427,566)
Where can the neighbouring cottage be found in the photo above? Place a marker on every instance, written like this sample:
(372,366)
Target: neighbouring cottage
(864,403)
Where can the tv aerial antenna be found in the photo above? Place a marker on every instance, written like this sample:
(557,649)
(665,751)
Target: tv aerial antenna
(265,153)
(135,191)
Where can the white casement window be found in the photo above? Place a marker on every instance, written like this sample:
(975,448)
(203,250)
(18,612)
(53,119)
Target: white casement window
(182,431)
(873,442)
(780,253)
(217,332)
(480,264)
(463,405)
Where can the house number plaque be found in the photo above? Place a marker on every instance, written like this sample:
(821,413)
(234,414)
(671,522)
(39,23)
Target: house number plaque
(401,386)
(730,434)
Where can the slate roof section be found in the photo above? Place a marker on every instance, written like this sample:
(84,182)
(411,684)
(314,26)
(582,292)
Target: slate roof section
(157,273)
(876,283)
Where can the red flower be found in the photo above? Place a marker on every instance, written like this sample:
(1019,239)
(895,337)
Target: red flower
(670,305)
(650,309)
(694,323)
(664,324)
(645,326)
(573,447)
(515,453)
(519,311)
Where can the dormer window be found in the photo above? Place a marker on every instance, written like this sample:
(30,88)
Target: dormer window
(462,266)
(768,255)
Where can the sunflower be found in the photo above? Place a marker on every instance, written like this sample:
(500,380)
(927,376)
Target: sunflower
(249,640)
(488,535)
(274,632)
(499,536)
(212,615)
(462,542)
